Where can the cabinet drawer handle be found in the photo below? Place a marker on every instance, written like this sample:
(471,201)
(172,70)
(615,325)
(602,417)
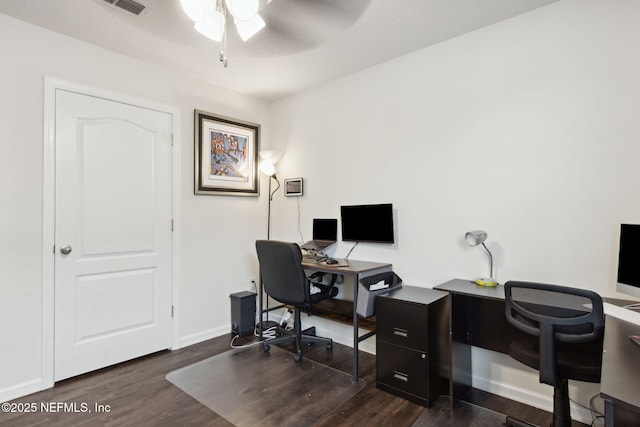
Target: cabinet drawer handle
(400,376)
(401,332)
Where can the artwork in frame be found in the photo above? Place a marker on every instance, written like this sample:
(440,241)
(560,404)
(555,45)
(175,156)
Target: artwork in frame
(226,155)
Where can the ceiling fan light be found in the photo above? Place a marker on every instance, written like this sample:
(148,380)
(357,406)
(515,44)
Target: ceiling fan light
(248,29)
(212,26)
(194,9)
(243,10)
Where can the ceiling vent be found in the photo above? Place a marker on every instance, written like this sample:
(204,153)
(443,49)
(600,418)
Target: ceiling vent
(130,6)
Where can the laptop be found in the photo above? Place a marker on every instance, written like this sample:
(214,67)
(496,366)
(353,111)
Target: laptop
(325,234)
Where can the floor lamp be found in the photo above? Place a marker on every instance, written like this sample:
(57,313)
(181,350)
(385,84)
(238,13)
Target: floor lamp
(268,167)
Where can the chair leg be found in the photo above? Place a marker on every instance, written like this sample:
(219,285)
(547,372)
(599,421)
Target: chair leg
(266,345)
(309,336)
(318,340)
(298,334)
(561,411)
(311,331)
(299,338)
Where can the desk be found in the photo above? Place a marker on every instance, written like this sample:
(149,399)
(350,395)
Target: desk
(620,384)
(358,270)
(477,318)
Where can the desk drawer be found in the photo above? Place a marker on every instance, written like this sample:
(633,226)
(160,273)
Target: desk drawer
(402,368)
(404,323)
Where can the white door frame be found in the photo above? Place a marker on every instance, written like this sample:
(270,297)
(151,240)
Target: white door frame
(48,208)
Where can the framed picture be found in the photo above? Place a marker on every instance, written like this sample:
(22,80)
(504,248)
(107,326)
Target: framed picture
(226,156)
(293,187)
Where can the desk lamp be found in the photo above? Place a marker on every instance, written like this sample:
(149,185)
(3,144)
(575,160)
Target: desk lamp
(475,238)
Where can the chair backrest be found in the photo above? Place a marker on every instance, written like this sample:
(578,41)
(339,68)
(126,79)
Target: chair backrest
(283,276)
(554,314)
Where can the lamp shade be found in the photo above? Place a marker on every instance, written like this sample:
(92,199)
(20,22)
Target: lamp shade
(268,163)
(476,237)
(272,155)
(267,167)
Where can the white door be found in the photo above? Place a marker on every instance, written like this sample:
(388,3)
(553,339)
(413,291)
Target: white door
(112,232)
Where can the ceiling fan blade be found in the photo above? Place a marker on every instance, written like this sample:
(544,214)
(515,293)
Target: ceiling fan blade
(295,26)
(338,13)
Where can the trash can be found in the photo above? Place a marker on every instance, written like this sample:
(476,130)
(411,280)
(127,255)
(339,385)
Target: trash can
(243,313)
(371,286)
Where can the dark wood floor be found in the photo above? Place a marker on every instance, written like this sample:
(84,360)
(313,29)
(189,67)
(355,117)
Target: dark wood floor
(136,393)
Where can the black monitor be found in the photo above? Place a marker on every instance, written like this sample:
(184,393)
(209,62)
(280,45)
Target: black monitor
(629,260)
(367,223)
(325,229)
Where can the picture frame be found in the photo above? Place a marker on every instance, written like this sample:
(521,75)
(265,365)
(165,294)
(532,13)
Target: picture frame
(225,155)
(293,187)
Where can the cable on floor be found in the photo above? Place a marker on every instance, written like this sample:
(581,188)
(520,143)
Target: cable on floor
(267,335)
(595,415)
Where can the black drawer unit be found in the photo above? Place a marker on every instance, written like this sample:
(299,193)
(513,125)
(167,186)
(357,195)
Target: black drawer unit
(412,343)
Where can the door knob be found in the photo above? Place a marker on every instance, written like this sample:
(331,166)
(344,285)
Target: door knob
(65,250)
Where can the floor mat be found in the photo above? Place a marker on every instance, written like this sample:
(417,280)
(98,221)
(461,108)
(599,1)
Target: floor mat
(463,414)
(245,387)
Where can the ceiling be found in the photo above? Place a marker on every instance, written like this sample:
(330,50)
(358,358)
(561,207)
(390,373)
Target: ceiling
(306,42)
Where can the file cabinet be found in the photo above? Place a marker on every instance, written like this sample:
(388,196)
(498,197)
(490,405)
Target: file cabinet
(412,343)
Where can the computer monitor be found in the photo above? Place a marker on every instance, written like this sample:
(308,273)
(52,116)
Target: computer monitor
(629,260)
(325,234)
(325,229)
(367,223)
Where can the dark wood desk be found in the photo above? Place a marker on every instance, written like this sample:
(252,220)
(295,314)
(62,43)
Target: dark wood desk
(477,318)
(620,384)
(358,270)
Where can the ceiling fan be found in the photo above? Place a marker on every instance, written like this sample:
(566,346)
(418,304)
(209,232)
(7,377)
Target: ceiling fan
(280,26)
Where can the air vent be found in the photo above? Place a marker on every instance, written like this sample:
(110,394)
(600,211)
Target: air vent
(130,6)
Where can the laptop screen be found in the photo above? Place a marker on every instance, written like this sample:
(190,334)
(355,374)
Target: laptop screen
(325,229)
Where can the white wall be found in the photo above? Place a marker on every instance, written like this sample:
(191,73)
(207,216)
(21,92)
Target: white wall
(527,129)
(216,234)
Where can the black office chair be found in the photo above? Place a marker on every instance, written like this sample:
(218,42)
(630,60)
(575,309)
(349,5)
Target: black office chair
(565,327)
(284,280)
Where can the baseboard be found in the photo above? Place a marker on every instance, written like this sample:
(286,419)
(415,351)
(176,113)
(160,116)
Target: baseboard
(37,384)
(22,389)
(203,336)
(528,397)
(339,332)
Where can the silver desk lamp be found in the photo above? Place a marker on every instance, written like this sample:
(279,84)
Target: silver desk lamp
(475,238)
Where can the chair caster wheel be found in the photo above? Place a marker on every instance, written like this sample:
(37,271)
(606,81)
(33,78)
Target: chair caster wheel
(266,348)
(297,358)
